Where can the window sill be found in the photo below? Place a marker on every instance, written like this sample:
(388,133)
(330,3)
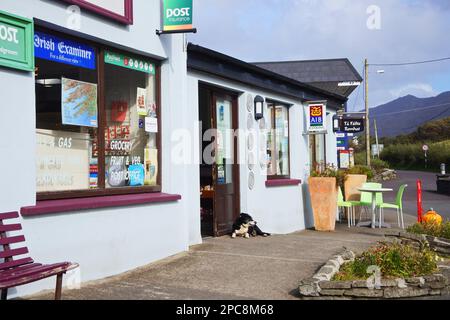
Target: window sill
(282,183)
(69,205)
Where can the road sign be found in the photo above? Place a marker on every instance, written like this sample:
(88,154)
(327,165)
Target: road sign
(352,125)
(425,148)
(349,123)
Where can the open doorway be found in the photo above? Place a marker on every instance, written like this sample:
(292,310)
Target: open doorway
(219,170)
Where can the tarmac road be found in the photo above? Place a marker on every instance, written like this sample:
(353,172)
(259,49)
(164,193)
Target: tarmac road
(431,199)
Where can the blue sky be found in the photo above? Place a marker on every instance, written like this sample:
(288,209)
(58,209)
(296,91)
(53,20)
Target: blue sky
(276,30)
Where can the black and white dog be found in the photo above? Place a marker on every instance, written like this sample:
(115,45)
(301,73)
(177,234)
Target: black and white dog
(246,226)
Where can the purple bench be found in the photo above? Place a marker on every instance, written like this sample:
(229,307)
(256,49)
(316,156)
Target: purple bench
(16,272)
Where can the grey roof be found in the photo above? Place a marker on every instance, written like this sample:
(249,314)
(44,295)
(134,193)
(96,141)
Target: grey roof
(206,60)
(324,74)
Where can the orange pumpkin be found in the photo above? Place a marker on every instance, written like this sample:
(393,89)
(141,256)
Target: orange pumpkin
(432,217)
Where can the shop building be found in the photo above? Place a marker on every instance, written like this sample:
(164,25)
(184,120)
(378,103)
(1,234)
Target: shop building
(104,126)
(87,135)
(273,154)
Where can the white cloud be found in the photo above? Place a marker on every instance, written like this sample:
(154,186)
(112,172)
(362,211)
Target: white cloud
(255,30)
(420,90)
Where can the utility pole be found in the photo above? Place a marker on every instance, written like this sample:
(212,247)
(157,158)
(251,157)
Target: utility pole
(366,80)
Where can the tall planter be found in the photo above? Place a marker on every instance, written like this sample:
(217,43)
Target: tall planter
(351,185)
(324,192)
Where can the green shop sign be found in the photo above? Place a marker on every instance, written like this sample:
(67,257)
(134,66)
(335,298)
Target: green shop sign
(129,62)
(177,15)
(16,42)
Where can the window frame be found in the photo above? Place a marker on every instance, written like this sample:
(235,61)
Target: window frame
(313,142)
(126,18)
(101,190)
(273,128)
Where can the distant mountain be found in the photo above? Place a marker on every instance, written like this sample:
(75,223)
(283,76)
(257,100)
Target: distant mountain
(404,115)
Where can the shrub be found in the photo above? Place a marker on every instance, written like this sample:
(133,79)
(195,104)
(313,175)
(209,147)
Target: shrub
(394,260)
(360,158)
(431,229)
(379,165)
(329,171)
(411,156)
(364,170)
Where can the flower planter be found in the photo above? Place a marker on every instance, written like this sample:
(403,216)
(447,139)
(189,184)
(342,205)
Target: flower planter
(323,192)
(322,287)
(352,183)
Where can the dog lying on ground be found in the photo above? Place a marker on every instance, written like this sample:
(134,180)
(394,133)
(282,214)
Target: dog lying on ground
(245,226)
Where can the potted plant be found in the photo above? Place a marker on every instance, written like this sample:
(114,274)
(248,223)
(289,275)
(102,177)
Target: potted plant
(323,189)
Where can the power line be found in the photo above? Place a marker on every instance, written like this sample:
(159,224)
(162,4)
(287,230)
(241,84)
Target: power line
(408,63)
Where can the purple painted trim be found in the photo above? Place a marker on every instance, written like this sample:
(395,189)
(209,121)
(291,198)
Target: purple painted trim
(70,205)
(127,18)
(283,182)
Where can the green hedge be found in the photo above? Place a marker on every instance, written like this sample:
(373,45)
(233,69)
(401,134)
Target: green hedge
(411,156)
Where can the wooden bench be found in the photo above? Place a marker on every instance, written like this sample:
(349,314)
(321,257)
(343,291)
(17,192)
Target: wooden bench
(19,271)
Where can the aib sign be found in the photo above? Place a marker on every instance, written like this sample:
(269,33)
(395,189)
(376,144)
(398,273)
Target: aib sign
(316,117)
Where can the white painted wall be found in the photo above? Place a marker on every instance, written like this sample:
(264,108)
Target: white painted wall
(109,241)
(146,22)
(277,210)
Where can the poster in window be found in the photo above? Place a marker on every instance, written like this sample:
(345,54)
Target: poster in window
(151,125)
(62,160)
(116,173)
(151,167)
(141,101)
(79,103)
(119,111)
(136,175)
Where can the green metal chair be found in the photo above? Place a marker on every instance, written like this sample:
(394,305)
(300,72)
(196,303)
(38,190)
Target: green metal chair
(366,198)
(345,204)
(397,206)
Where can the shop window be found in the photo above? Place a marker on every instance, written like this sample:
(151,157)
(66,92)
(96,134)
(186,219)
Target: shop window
(101,91)
(317,151)
(278,165)
(131,152)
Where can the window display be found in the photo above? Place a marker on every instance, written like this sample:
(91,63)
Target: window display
(66,123)
(129,102)
(75,102)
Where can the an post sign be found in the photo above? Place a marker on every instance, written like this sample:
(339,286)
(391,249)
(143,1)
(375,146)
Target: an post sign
(316,118)
(178,15)
(129,62)
(16,42)
(65,51)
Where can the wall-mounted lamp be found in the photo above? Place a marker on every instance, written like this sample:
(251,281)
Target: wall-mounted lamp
(337,122)
(259,108)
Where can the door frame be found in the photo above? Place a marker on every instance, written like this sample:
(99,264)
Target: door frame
(219,92)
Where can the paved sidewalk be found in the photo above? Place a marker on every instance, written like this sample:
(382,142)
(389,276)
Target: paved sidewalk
(225,268)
